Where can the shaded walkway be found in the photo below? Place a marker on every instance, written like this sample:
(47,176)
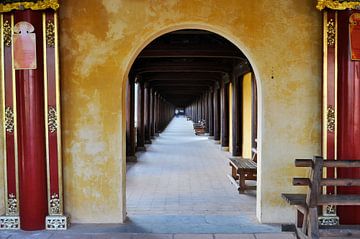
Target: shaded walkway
(180,185)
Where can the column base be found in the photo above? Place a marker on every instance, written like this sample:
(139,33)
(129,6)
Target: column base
(157,134)
(328,220)
(9,222)
(131,159)
(148,142)
(140,149)
(224,148)
(211,137)
(217,141)
(61,222)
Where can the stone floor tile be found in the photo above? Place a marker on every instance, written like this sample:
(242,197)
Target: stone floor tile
(283,235)
(193,236)
(70,236)
(112,236)
(4,235)
(31,235)
(234,236)
(152,236)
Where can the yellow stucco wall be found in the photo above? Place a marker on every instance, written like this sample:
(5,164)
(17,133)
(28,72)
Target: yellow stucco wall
(101,38)
(230,119)
(246,117)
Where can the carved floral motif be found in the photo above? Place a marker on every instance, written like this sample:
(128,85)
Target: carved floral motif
(331,33)
(9,120)
(331,119)
(338,4)
(50,34)
(37,5)
(7,33)
(12,208)
(52,119)
(54,204)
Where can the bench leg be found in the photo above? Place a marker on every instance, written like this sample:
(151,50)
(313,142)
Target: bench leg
(242,185)
(234,173)
(313,224)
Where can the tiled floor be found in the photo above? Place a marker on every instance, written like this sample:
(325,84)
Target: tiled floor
(177,190)
(179,185)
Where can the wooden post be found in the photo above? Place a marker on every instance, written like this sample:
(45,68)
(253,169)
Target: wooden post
(206,111)
(130,121)
(140,146)
(151,109)
(236,115)
(211,113)
(31,134)
(224,114)
(147,113)
(217,113)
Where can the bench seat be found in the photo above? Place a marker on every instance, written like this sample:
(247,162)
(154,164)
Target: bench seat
(242,169)
(294,198)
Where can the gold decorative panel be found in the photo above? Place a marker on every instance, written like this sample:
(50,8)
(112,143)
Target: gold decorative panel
(331,118)
(337,4)
(52,120)
(50,34)
(9,120)
(7,33)
(331,33)
(54,204)
(34,5)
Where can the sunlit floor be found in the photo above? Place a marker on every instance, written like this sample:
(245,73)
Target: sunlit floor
(180,185)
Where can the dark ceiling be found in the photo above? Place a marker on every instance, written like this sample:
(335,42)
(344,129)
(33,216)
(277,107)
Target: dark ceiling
(182,65)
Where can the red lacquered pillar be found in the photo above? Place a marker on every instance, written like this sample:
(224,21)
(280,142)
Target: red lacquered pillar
(31,133)
(349,115)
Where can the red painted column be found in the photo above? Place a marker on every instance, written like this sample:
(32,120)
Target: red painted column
(31,133)
(348,116)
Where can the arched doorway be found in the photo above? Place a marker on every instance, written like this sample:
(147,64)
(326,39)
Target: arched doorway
(205,75)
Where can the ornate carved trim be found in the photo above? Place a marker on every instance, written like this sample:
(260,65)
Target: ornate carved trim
(331,119)
(9,120)
(329,221)
(331,33)
(12,207)
(52,119)
(338,4)
(39,5)
(57,222)
(9,223)
(50,34)
(330,210)
(54,204)
(7,33)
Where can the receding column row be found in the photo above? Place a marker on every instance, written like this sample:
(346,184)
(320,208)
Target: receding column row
(221,109)
(153,113)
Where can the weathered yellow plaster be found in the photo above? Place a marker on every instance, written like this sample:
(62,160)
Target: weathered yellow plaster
(99,42)
(246,118)
(230,119)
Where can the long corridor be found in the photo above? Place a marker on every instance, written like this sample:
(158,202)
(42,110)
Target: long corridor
(180,184)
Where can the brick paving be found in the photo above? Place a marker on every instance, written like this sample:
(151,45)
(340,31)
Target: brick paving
(178,189)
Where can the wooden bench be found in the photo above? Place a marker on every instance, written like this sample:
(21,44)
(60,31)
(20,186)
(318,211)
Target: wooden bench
(200,127)
(242,169)
(307,205)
